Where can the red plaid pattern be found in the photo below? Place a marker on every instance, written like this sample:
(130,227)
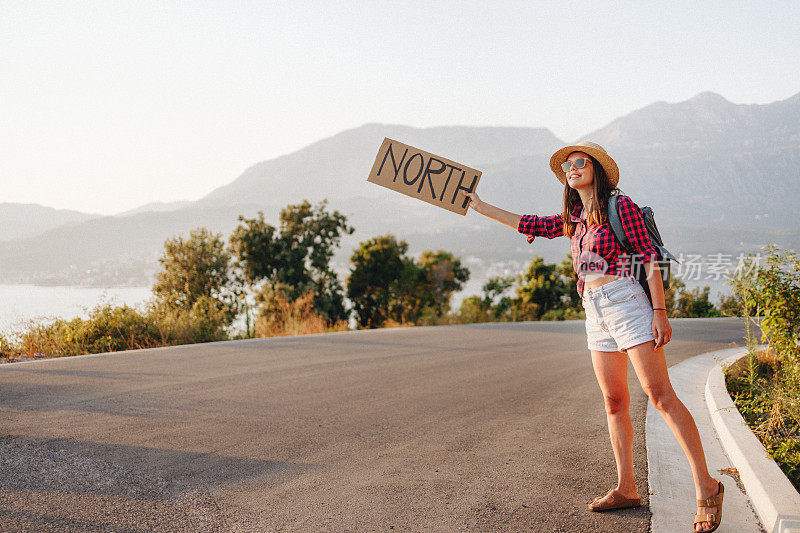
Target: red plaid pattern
(594,248)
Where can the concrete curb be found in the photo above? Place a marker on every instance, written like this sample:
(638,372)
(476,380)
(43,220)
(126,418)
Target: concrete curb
(774,498)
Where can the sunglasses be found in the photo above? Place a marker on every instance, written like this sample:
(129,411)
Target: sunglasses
(578,163)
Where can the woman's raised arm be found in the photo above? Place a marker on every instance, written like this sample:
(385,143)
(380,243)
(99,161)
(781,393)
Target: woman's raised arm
(502,216)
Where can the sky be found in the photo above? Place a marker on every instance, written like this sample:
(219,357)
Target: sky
(109,105)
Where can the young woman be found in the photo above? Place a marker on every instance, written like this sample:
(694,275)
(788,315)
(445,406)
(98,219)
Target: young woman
(620,322)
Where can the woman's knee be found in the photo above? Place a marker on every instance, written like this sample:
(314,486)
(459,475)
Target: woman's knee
(661,396)
(617,402)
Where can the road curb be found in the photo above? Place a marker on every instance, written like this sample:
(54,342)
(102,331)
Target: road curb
(774,498)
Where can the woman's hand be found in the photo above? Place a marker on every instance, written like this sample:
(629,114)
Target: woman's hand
(474,201)
(662,330)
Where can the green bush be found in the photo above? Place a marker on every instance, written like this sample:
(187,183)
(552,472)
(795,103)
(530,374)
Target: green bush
(694,303)
(107,329)
(541,288)
(386,287)
(111,328)
(765,386)
(567,313)
(474,309)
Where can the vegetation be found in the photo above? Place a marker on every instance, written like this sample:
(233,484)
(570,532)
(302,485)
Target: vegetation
(294,259)
(386,286)
(280,316)
(492,306)
(543,293)
(279,281)
(203,287)
(765,385)
(685,304)
(196,279)
(113,328)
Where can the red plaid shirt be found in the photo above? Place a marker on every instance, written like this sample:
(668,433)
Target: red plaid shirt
(594,248)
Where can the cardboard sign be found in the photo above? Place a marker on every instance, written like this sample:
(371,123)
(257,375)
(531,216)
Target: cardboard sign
(420,174)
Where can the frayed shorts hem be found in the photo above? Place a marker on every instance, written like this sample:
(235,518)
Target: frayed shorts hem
(603,348)
(634,343)
(609,348)
(637,342)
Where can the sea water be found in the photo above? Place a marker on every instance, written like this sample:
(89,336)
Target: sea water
(22,303)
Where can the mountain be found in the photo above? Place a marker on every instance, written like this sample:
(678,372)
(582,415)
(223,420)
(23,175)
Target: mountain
(706,123)
(720,176)
(109,250)
(24,220)
(337,167)
(707,160)
(156,207)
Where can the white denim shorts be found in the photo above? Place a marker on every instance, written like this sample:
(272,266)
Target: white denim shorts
(618,316)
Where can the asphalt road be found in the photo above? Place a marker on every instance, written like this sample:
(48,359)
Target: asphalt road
(486,427)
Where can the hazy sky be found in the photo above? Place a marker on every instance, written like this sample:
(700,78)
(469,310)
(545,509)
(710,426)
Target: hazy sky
(108,105)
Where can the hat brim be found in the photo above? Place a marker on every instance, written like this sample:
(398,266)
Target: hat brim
(609,165)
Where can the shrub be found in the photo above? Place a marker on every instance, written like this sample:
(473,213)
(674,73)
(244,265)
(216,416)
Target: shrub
(568,313)
(111,328)
(765,386)
(280,316)
(694,303)
(474,309)
(107,329)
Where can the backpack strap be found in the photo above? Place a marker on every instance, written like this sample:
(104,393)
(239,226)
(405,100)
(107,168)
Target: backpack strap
(615,222)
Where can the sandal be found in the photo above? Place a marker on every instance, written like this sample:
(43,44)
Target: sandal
(614,500)
(713,518)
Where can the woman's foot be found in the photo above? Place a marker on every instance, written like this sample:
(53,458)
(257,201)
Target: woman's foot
(615,499)
(704,510)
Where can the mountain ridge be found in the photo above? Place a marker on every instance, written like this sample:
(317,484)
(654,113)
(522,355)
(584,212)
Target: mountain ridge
(19,220)
(351,152)
(704,162)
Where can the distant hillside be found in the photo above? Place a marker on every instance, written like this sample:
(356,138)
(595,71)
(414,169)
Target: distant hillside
(706,123)
(24,220)
(156,207)
(710,161)
(110,250)
(336,167)
(720,177)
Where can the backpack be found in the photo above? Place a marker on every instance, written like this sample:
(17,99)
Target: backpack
(664,256)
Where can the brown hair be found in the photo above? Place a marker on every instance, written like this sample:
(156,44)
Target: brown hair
(602,191)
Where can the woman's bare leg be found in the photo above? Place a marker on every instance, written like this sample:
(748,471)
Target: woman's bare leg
(651,369)
(611,369)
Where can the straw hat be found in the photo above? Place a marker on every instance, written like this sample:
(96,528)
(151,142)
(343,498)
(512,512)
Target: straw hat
(587,147)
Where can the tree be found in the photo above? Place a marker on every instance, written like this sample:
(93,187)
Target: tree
(567,271)
(695,304)
(386,284)
(541,289)
(194,270)
(729,305)
(676,286)
(491,306)
(296,256)
(377,267)
(410,294)
(493,291)
(254,247)
(443,275)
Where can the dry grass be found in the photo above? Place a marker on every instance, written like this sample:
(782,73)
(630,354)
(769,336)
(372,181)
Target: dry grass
(768,403)
(294,317)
